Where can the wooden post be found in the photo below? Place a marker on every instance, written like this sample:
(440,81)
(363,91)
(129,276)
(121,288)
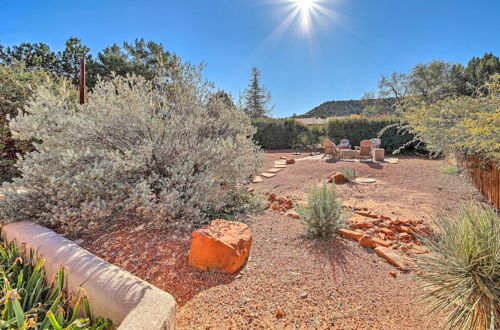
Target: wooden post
(82,81)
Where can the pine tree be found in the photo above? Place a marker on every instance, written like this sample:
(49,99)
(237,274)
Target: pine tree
(256,97)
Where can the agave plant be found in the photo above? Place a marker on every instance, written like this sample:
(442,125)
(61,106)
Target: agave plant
(461,276)
(28,302)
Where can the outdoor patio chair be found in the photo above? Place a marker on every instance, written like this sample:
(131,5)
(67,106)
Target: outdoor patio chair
(376,143)
(331,149)
(344,144)
(365,147)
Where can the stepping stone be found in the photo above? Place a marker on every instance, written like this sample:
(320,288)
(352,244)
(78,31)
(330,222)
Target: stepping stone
(391,160)
(268,175)
(275,170)
(279,166)
(257,179)
(364,180)
(280,162)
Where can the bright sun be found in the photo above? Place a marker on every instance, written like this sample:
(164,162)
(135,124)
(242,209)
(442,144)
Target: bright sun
(305,4)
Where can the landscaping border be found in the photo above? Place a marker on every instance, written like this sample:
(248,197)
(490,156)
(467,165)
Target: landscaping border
(113,292)
(485,175)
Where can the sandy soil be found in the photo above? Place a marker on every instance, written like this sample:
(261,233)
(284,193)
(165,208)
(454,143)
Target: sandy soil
(290,282)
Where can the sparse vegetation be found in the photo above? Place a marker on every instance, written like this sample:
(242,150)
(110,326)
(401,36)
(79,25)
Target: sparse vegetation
(29,302)
(324,213)
(450,169)
(350,174)
(462,274)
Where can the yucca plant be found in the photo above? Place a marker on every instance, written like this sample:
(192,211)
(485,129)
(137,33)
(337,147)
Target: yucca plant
(324,214)
(28,302)
(461,276)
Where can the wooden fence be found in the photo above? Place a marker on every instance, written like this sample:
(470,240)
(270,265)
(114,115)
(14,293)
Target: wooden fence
(486,177)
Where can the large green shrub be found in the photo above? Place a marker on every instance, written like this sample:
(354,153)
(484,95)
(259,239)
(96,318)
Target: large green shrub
(324,213)
(356,129)
(160,151)
(460,125)
(16,88)
(461,276)
(277,133)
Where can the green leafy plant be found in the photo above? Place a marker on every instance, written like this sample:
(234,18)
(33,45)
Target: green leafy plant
(324,213)
(350,174)
(461,276)
(450,169)
(28,301)
(239,201)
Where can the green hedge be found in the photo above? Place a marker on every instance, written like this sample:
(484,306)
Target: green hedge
(360,128)
(278,133)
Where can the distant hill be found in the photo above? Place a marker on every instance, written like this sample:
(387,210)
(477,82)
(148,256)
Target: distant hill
(339,108)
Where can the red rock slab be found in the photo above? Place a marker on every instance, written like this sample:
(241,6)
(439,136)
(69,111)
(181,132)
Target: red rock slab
(356,235)
(390,256)
(387,231)
(222,246)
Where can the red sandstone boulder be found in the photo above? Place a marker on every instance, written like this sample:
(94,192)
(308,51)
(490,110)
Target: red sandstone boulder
(221,246)
(290,161)
(337,177)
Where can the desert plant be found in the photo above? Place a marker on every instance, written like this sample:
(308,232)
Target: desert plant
(350,174)
(450,169)
(28,301)
(323,215)
(461,276)
(162,151)
(239,201)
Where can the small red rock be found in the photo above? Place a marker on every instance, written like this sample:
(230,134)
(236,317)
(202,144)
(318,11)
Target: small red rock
(280,313)
(393,274)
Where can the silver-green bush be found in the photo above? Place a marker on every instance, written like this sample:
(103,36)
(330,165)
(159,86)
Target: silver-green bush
(461,276)
(164,150)
(324,213)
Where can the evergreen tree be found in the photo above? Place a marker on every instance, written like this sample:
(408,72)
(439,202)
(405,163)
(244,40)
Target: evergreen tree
(256,97)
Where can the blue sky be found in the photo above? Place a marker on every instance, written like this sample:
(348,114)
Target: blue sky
(346,48)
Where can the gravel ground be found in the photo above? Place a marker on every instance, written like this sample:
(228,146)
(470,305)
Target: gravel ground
(290,282)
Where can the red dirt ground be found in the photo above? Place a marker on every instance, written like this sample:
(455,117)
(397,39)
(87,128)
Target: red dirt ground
(291,282)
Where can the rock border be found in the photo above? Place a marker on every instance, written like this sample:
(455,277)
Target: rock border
(113,292)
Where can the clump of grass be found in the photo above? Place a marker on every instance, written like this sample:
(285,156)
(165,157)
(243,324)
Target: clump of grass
(29,302)
(324,213)
(450,169)
(462,274)
(350,174)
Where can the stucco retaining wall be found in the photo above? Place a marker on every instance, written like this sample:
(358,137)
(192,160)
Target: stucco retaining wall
(113,292)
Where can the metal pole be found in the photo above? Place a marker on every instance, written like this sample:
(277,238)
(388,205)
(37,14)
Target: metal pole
(82,81)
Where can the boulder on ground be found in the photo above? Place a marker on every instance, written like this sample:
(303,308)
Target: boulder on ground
(290,161)
(337,177)
(222,246)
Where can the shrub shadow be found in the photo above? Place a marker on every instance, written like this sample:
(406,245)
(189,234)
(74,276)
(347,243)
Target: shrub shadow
(334,252)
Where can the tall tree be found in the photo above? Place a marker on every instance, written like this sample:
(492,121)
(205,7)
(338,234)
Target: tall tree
(431,81)
(256,98)
(70,59)
(141,58)
(32,55)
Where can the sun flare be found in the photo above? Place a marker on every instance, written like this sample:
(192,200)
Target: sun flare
(305,4)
